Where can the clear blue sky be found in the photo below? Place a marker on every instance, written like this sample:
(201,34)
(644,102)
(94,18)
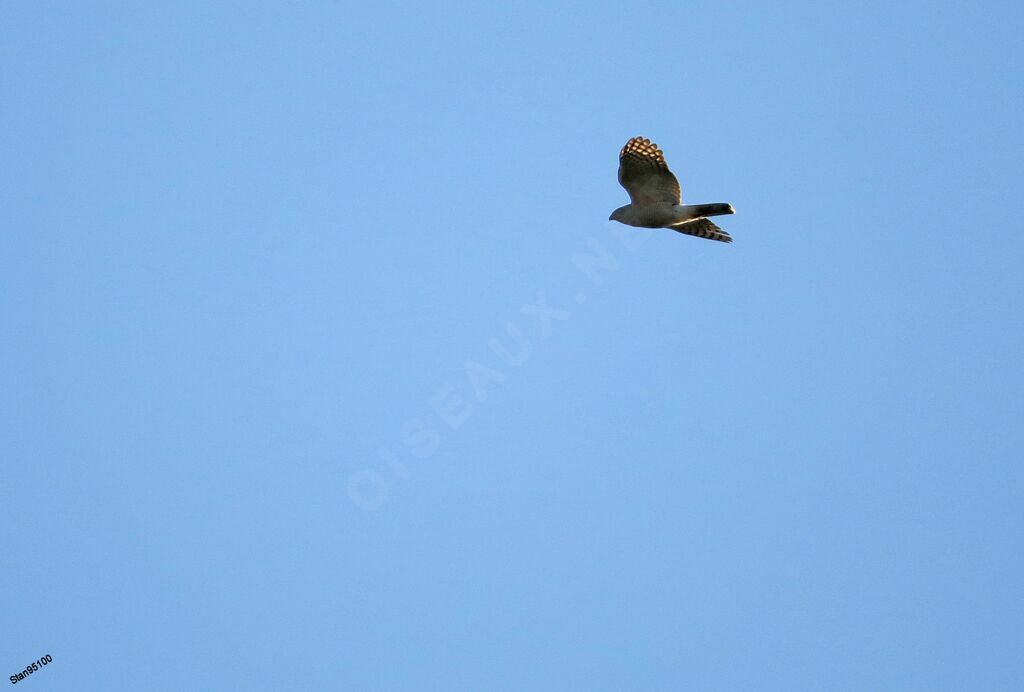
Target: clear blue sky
(308,383)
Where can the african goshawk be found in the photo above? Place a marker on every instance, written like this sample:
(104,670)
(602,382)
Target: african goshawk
(654,193)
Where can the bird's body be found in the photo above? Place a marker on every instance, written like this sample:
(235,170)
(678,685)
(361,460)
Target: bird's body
(663,214)
(655,199)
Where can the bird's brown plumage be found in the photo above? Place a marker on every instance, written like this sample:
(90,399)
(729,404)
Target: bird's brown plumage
(703,228)
(645,175)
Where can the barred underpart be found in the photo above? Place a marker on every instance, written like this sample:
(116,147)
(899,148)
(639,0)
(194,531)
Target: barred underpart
(703,228)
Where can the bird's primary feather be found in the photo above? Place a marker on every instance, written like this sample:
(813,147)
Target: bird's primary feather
(703,228)
(645,175)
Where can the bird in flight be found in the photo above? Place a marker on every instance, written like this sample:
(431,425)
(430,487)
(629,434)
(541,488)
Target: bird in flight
(655,199)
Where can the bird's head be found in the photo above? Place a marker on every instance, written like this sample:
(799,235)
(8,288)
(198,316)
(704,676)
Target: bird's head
(617,215)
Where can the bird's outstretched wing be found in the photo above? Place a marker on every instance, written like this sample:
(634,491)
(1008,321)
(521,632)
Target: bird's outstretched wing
(645,175)
(703,228)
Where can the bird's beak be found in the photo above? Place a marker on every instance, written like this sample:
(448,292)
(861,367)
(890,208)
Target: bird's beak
(611,215)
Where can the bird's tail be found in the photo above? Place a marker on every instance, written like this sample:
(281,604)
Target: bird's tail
(714,209)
